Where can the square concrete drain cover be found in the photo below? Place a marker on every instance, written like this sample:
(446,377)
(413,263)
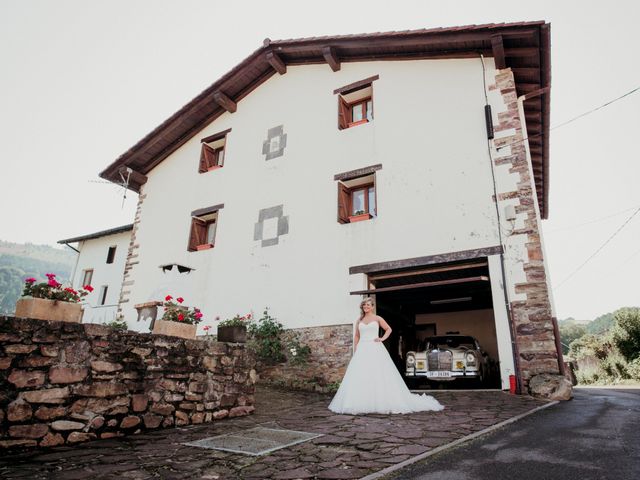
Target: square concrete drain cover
(255,441)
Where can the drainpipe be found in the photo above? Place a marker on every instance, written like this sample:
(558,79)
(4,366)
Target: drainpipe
(75,266)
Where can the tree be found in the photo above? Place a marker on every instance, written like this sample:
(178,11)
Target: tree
(626,332)
(570,332)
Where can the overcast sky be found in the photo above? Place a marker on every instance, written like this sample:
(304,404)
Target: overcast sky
(82,81)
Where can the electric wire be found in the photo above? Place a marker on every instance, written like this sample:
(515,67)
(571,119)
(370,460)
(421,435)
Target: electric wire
(571,120)
(599,249)
(590,222)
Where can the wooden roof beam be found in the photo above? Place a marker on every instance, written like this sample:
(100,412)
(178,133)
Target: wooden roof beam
(331,57)
(225,102)
(276,62)
(497,46)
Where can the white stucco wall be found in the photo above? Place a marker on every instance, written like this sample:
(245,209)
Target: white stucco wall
(93,255)
(434,191)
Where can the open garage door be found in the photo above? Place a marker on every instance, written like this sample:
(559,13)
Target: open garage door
(444,329)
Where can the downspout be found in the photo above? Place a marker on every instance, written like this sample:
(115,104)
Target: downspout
(75,267)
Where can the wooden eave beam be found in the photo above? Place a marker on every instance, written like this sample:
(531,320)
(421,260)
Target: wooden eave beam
(331,57)
(497,46)
(276,62)
(454,281)
(225,102)
(134,177)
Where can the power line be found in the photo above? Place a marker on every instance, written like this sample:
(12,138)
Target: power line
(596,220)
(599,248)
(573,119)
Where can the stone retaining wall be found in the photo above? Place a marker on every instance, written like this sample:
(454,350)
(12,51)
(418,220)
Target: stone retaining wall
(331,348)
(69,383)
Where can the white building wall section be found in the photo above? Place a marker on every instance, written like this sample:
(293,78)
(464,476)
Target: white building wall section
(434,191)
(93,255)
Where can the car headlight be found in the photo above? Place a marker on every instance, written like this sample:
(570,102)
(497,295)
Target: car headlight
(470,358)
(411,360)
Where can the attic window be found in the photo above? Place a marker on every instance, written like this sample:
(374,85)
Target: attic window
(355,103)
(213,152)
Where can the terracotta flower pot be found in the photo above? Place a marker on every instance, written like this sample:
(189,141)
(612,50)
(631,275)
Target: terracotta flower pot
(232,334)
(359,218)
(175,329)
(45,309)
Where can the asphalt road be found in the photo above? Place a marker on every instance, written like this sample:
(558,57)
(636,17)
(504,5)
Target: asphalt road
(594,436)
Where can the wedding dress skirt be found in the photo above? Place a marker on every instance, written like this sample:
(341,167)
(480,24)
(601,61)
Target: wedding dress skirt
(372,383)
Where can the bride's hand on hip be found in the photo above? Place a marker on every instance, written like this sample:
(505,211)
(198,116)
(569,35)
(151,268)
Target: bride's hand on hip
(378,340)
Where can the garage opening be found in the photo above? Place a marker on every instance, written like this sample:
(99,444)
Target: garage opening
(442,316)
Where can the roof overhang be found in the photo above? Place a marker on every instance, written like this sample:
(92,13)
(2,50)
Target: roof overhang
(523,46)
(102,233)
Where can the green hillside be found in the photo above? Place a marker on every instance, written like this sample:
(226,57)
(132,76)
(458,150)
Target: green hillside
(19,261)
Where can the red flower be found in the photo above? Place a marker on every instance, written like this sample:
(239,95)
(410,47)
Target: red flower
(198,315)
(52,282)
(206,328)
(88,288)
(180,317)
(249,316)
(30,280)
(167,298)
(179,299)
(50,275)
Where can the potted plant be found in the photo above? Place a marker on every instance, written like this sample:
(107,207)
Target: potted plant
(234,329)
(358,216)
(178,320)
(51,301)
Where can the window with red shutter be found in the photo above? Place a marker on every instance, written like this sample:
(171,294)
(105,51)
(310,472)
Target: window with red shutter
(213,152)
(355,103)
(203,231)
(357,199)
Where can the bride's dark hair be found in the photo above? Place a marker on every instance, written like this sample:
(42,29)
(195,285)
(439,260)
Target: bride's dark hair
(366,300)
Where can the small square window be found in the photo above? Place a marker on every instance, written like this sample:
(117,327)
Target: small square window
(111,254)
(87,276)
(213,152)
(355,103)
(357,199)
(203,232)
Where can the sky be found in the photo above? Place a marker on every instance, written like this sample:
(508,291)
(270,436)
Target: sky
(82,81)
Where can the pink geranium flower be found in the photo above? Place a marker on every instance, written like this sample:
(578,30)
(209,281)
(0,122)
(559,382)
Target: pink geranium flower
(167,298)
(198,315)
(179,299)
(30,280)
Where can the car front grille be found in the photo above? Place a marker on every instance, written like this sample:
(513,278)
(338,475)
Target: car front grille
(440,360)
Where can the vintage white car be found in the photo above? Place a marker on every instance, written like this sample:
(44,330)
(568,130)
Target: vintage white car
(445,358)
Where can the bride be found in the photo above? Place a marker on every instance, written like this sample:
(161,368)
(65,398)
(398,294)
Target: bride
(372,383)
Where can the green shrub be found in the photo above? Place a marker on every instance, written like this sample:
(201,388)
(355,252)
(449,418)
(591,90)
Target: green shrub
(633,369)
(264,339)
(626,332)
(297,353)
(118,325)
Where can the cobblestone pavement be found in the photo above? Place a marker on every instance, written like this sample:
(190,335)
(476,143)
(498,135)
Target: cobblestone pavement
(351,446)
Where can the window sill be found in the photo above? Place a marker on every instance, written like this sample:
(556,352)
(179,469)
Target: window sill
(206,246)
(215,167)
(360,218)
(355,124)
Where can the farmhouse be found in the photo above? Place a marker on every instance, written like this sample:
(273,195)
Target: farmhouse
(409,166)
(100,263)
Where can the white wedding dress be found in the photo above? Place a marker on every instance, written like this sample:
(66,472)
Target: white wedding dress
(372,383)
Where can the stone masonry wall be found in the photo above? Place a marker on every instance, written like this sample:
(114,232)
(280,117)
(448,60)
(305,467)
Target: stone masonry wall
(531,311)
(69,383)
(132,256)
(330,354)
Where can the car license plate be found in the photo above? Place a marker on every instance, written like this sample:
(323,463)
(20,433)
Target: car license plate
(420,365)
(438,374)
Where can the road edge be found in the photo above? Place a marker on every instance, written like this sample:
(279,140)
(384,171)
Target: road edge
(441,448)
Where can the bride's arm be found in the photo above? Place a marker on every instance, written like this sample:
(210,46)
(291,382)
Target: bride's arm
(387,329)
(356,337)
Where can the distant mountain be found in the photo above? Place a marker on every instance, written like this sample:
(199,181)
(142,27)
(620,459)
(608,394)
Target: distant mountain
(19,261)
(601,324)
